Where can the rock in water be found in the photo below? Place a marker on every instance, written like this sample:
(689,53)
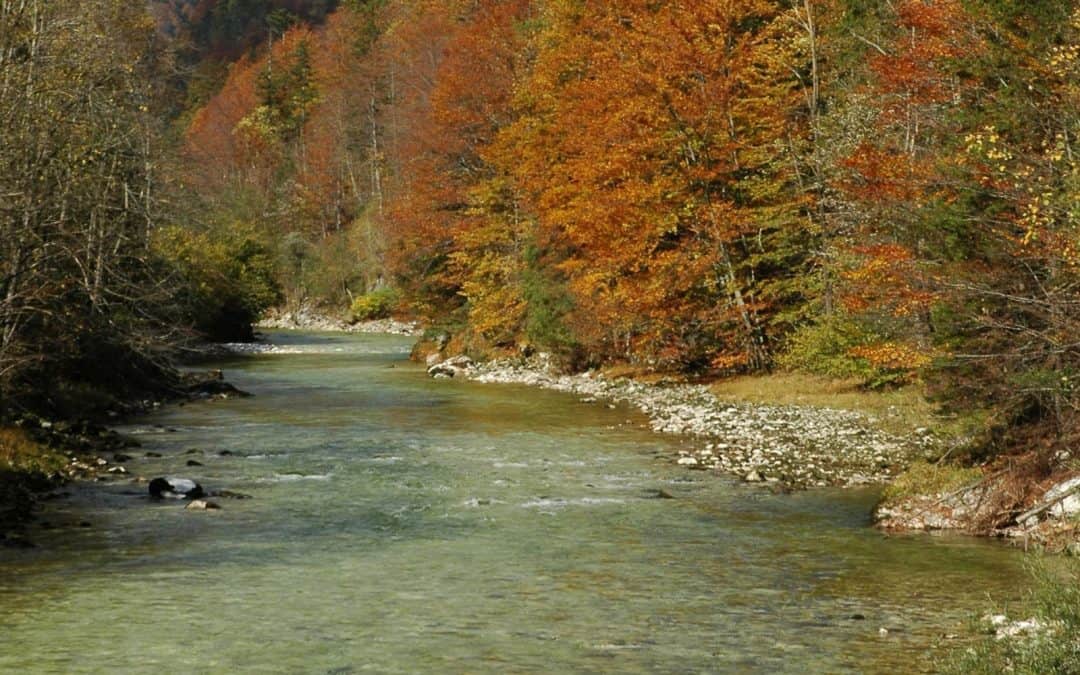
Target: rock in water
(453,367)
(175,488)
(202,505)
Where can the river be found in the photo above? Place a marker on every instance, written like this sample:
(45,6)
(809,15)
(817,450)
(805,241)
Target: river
(405,525)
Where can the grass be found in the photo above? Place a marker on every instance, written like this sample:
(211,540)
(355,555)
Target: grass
(923,478)
(899,411)
(25,468)
(21,454)
(1054,649)
(896,410)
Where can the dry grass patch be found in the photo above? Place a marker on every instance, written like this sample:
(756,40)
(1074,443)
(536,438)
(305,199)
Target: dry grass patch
(926,479)
(897,410)
(21,454)
(638,373)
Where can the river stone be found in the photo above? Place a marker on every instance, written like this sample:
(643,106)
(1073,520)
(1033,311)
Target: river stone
(753,477)
(202,505)
(175,488)
(1069,505)
(452,367)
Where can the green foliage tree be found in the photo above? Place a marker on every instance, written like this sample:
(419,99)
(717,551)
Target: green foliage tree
(226,278)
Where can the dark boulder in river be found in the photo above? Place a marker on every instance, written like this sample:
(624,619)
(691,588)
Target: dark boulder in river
(175,488)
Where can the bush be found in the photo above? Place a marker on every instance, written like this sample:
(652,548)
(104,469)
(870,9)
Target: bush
(26,467)
(227,277)
(840,346)
(375,305)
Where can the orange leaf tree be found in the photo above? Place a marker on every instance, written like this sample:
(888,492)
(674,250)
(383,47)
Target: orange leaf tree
(898,176)
(648,146)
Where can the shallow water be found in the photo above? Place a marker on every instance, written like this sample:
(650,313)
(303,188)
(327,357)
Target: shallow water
(403,525)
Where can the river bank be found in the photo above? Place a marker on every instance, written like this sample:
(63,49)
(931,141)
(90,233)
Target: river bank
(792,447)
(309,318)
(788,446)
(39,456)
(791,440)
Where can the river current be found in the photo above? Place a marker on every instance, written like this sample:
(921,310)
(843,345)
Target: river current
(406,525)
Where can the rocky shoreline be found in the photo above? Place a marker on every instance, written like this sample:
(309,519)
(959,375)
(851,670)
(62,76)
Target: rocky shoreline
(1048,520)
(787,446)
(799,447)
(86,451)
(307,318)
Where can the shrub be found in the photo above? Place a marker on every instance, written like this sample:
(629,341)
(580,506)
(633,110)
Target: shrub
(841,346)
(375,305)
(227,277)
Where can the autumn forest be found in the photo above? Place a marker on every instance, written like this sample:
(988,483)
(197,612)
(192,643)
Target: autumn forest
(880,190)
(513,335)
(870,189)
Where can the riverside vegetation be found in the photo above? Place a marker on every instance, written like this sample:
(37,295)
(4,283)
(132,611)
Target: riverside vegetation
(878,192)
(875,191)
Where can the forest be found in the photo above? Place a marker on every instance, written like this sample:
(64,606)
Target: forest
(881,197)
(871,189)
(878,191)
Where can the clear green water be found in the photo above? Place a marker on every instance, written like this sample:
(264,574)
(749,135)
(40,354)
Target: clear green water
(404,525)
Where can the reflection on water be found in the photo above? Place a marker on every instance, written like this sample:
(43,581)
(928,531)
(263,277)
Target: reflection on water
(406,525)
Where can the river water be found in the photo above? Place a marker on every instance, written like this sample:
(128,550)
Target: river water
(405,525)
